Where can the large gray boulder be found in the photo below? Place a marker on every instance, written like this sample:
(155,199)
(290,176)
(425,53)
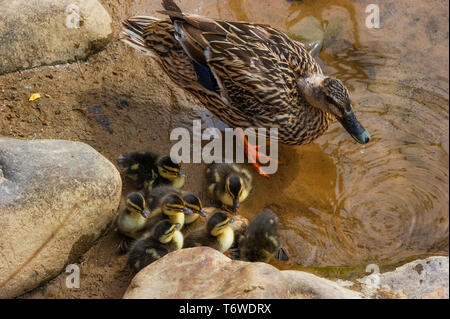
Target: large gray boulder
(56,198)
(46,32)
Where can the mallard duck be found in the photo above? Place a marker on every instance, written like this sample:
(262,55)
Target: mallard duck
(247,75)
(261,241)
(149,170)
(166,203)
(217,234)
(229,184)
(164,238)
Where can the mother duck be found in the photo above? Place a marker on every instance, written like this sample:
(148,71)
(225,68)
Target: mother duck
(247,75)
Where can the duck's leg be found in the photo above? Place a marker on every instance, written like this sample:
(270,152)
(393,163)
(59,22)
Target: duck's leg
(253,155)
(124,246)
(233,253)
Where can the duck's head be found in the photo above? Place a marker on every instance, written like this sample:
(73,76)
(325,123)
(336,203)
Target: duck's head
(217,223)
(331,95)
(193,203)
(234,186)
(136,204)
(165,230)
(168,169)
(173,205)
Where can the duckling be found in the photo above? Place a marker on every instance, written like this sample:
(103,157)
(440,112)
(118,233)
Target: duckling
(131,221)
(149,169)
(164,238)
(194,204)
(218,234)
(229,184)
(166,203)
(261,241)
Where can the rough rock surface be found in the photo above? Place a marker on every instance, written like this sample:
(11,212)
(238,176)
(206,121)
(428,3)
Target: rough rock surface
(203,272)
(420,279)
(45,32)
(306,285)
(56,198)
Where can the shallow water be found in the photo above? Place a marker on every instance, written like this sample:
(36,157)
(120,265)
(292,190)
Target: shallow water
(345,204)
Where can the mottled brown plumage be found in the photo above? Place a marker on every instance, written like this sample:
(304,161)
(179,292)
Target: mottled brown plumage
(245,74)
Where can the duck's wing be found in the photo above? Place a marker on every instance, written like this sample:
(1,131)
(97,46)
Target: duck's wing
(252,66)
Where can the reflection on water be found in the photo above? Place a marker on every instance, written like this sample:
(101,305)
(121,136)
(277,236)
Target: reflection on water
(341,203)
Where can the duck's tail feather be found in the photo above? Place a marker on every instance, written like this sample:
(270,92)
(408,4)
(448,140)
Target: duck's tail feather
(170,5)
(127,160)
(133,31)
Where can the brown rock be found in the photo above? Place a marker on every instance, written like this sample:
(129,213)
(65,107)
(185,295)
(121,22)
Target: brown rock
(203,272)
(46,32)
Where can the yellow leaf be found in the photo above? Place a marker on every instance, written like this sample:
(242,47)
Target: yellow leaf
(34,96)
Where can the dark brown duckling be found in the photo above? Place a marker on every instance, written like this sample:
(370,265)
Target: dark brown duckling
(164,238)
(150,170)
(261,241)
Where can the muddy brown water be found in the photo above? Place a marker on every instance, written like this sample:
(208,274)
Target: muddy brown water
(341,205)
(344,204)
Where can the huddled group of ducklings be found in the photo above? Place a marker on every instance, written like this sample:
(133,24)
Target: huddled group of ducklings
(156,216)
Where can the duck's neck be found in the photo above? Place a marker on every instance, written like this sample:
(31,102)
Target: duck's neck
(225,239)
(177,219)
(178,239)
(135,218)
(188,219)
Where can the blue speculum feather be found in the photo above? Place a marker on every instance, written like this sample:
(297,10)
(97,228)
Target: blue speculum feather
(205,77)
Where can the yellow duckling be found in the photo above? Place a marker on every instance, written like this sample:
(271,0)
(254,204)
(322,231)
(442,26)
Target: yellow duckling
(261,241)
(166,203)
(132,220)
(193,203)
(218,234)
(229,184)
(149,170)
(164,238)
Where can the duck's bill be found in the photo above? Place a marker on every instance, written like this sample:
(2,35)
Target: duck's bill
(180,174)
(187,210)
(236,205)
(354,128)
(202,213)
(145,213)
(281,255)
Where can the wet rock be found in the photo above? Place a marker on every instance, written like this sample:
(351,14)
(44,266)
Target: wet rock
(46,32)
(420,279)
(305,285)
(203,272)
(56,198)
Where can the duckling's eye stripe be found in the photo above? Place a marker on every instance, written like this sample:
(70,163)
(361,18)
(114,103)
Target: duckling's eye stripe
(222,223)
(175,206)
(171,169)
(136,207)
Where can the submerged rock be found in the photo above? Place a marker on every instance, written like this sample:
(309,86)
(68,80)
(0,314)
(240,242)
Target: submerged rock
(203,272)
(56,198)
(46,32)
